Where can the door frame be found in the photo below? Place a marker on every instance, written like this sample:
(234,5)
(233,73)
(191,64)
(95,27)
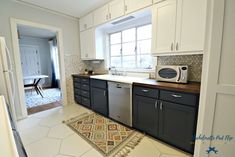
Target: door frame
(16,49)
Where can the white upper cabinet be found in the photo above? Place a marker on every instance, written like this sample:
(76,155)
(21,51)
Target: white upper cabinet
(86,22)
(101,15)
(164,27)
(91,43)
(191,25)
(116,9)
(133,5)
(87,44)
(108,12)
(179,26)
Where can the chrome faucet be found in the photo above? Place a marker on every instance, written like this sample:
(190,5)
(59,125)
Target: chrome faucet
(113,70)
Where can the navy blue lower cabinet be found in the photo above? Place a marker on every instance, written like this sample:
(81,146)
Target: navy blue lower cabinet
(170,117)
(177,124)
(99,100)
(145,114)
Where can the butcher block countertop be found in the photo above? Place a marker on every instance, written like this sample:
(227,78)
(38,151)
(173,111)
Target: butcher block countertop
(191,87)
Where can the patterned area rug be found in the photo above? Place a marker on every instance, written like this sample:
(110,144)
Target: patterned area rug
(32,99)
(107,136)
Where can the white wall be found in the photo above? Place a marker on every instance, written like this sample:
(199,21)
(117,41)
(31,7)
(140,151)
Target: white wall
(44,52)
(10,8)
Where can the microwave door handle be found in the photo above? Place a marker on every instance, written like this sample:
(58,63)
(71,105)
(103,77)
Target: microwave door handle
(179,75)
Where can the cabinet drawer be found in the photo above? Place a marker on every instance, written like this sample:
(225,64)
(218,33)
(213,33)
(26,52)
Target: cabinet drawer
(78,99)
(85,93)
(85,80)
(85,87)
(85,101)
(77,85)
(98,83)
(148,92)
(77,91)
(76,79)
(178,97)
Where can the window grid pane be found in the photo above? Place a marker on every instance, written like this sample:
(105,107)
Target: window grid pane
(115,50)
(129,35)
(144,46)
(115,38)
(134,49)
(144,32)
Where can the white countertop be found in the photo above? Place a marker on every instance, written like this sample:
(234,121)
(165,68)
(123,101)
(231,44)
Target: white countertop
(116,78)
(7,142)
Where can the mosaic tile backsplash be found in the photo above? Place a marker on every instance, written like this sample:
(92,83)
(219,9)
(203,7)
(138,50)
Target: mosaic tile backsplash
(73,65)
(193,61)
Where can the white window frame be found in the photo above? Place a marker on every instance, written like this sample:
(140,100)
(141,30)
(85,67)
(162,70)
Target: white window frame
(135,69)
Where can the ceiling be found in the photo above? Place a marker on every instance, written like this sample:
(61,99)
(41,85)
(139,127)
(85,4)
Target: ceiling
(74,8)
(35,32)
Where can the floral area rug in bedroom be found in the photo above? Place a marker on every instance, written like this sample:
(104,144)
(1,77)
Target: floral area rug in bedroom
(106,136)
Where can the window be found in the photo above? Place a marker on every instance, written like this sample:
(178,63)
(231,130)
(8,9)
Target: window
(131,48)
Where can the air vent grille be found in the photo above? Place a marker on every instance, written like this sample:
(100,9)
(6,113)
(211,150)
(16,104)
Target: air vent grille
(123,20)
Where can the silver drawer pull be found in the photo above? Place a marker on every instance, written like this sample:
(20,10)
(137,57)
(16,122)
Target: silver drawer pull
(161,106)
(176,96)
(156,103)
(145,90)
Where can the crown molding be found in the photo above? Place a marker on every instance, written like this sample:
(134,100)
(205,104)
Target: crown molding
(47,10)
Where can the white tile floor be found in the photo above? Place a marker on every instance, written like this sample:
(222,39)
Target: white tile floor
(44,135)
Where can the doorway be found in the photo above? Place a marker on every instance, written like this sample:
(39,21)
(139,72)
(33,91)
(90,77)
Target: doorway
(39,66)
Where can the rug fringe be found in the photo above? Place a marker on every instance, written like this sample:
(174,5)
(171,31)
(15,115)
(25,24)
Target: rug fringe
(73,119)
(129,146)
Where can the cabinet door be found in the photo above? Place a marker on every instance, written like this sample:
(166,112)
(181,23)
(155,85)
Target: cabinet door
(191,25)
(101,15)
(86,22)
(133,5)
(177,124)
(164,25)
(99,100)
(145,114)
(87,44)
(116,9)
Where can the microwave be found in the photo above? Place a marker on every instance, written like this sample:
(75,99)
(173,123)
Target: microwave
(169,73)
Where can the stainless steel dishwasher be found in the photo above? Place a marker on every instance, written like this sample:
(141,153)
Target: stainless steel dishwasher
(120,102)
